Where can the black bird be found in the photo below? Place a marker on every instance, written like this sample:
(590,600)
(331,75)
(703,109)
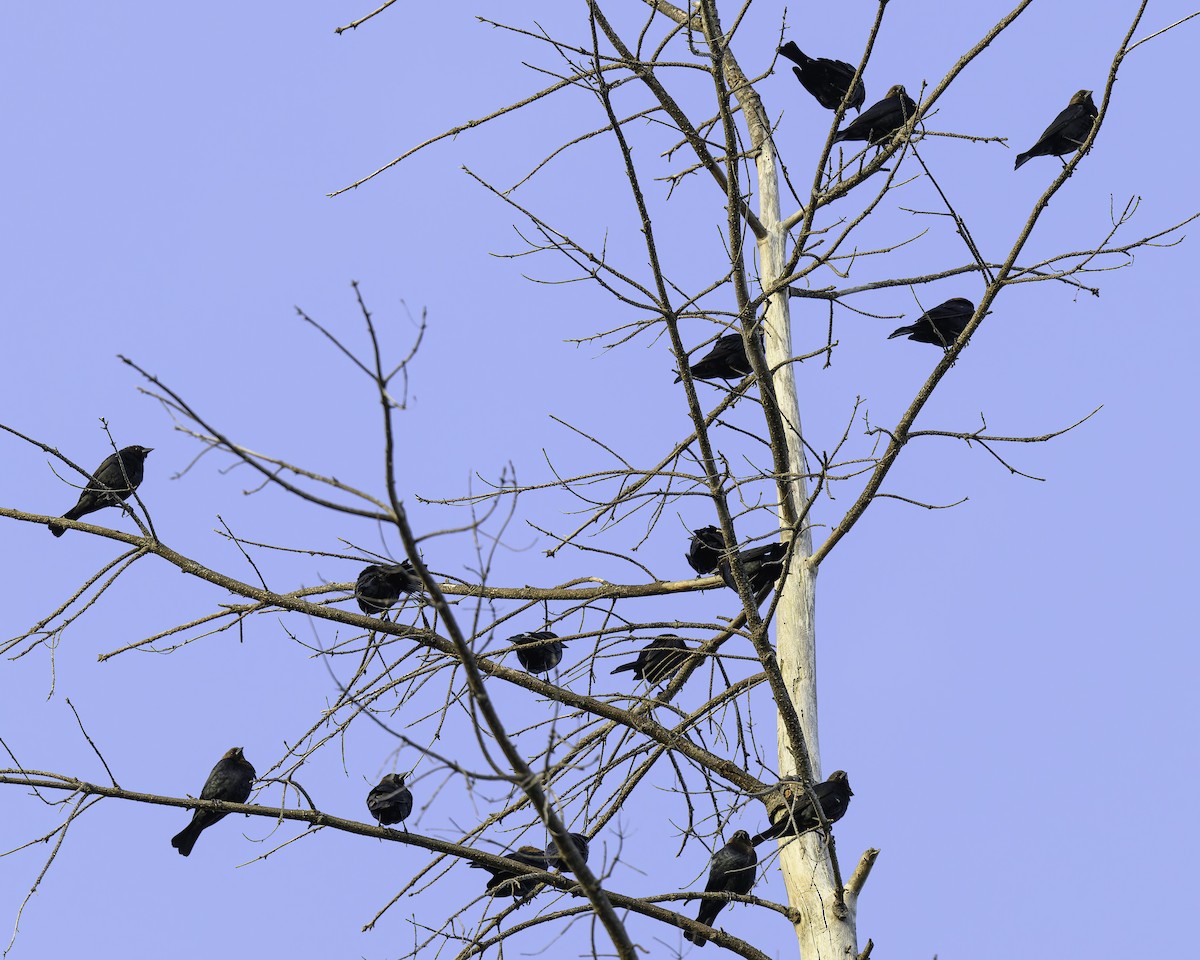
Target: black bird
(763,565)
(513,882)
(379,586)
(114,480)
(658,662)
(578,840)
(940,325)
(827,80)
(726,360)
(879,121)
(539,652)
(230,780)
(390,801)
(799,816)
(1066,132)
(704,552)
(732,872)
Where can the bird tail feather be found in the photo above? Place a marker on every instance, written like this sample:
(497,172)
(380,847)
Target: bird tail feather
(185,839)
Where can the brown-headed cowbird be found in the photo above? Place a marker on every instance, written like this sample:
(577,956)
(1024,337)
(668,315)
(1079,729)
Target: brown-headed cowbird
(704,552)
(799,816)
(732,871)
(114,480)
(379,586)
(827,80)
(512,882)
(390,801)
(1066,132)
(658,661)
(879,121)
(763,565)
(726,360)
(940,325)
(578,840)
(539,652)
(230,780)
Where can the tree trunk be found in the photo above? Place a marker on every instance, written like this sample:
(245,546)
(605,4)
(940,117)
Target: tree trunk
(826,929)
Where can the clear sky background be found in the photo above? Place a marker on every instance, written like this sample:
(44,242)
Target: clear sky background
(1009,683)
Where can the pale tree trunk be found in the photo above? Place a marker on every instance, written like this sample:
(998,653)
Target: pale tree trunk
(826,927)
(826,914)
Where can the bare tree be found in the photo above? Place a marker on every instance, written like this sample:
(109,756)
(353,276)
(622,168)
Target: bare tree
(460,655)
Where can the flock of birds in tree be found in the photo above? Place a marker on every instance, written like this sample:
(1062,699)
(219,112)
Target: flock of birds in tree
(829,83)
(379,587)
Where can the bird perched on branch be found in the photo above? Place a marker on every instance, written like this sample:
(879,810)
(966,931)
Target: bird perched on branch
(390,801)
(763,566)
(799,816)
(553,859)
(658,661)
(539,652)
(732,871)
(114,480)
(506,882)
(879,121)
(827,80)
(940,325)
(230,780)
(705,550)
(379,586)
(1066,132)
(726,360)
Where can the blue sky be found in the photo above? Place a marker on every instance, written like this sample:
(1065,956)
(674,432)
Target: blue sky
(1008,683)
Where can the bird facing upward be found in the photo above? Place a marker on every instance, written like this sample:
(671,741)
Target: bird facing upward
(732,871)
(229,780)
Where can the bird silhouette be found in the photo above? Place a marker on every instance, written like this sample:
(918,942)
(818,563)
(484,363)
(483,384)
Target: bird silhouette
(826,80)
(1066,132)
(114,480)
